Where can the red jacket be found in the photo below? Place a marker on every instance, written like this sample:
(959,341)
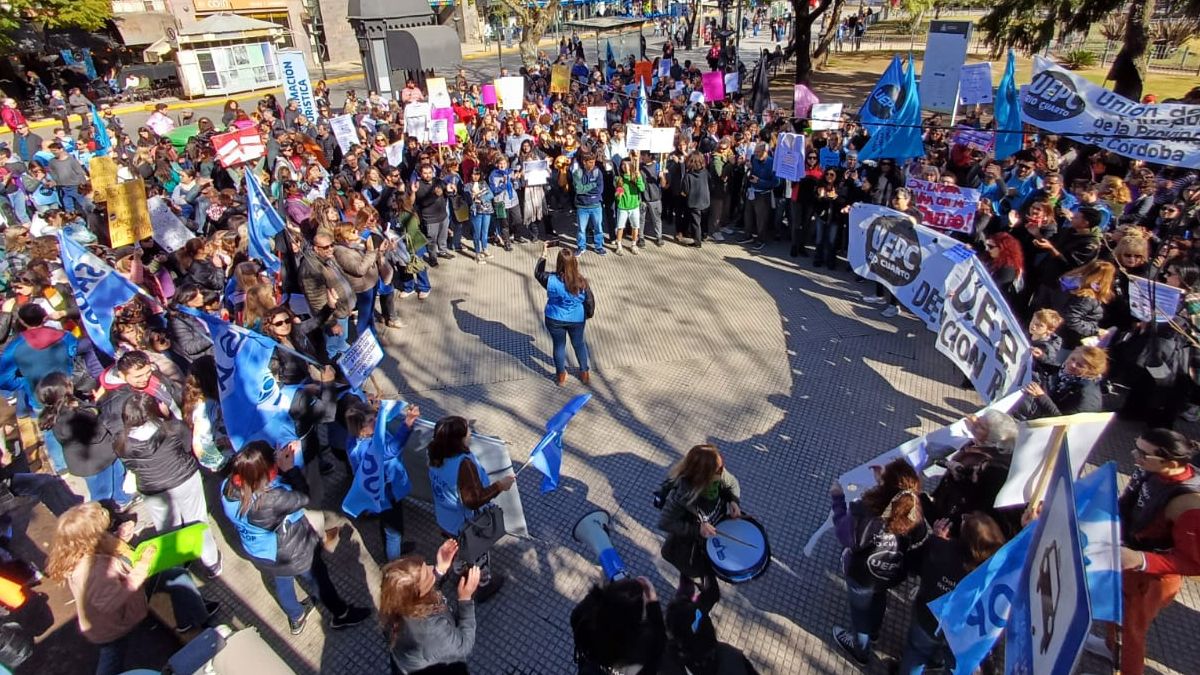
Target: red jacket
(12,117)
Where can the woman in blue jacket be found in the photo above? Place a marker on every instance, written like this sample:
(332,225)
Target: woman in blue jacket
(380,480)
(569,304)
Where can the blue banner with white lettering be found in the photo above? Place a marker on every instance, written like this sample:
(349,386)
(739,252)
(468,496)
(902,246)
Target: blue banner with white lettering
(881,103)
(380,478)
(255,406)
(99,290)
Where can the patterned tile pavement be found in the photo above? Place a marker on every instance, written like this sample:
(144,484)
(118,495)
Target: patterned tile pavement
(778,364)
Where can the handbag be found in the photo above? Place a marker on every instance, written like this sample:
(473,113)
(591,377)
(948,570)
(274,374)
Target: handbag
(500,209)
(480,533)
(462,213)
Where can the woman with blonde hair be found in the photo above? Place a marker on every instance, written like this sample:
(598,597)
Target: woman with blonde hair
(1090,288)
(422,631)
(109,589)
(879,533)
(1075,388)
(698,494)
(1115,193)
(260,299)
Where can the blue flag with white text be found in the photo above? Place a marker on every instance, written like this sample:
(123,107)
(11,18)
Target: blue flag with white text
(255,406)
(1008,111)
(263,222)
(99,290)
(380,478)
(900,138)
(548,453)
(882,102)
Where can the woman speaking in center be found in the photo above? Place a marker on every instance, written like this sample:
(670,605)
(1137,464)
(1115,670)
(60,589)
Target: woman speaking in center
(569,304)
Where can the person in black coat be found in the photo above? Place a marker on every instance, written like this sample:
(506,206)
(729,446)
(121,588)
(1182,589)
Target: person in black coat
(265,497)
(1074,389)
(617,626)
(287,365)
(189,338)
(694,192)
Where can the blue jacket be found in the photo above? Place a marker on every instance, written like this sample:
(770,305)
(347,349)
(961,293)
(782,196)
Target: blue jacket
(561,304)
(34,354)
(764,169)
(588,187)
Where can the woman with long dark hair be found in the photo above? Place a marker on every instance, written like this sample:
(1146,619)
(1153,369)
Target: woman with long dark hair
(265,496)
(424,634)
(879,533)
(87,445)
(569,304)
(461,488)
(701,493)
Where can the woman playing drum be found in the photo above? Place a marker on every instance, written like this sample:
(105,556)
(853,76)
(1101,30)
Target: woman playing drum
(702,493)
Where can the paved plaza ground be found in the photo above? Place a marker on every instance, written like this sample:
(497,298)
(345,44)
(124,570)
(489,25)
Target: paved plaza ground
(776,363)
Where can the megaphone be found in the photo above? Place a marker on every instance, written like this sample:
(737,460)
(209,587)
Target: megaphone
(592,530)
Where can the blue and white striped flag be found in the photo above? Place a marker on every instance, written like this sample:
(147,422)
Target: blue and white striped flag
(1100,531)
(263,222)
(99,290)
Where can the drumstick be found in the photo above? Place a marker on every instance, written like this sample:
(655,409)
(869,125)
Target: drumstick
(733,538)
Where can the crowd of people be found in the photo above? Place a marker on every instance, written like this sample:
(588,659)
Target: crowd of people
(1062,228)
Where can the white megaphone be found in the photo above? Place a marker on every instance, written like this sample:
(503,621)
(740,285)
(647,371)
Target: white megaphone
(592,529)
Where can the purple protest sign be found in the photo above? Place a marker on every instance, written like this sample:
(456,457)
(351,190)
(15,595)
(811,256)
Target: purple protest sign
(804,99)
(975,139)
(714,87)
(489,94)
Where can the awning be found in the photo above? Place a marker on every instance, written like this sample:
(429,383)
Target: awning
(144,29)
(157,50)
(424,47)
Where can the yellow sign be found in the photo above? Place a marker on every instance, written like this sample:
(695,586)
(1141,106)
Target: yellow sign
(128,213)
(207,6)
(104,176)
(560,79)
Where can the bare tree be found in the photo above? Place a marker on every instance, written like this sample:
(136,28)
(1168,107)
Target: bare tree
(803,19)
(821,53)
(534,22)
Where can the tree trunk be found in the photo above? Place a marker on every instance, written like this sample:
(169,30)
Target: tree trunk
(830,32)
(1128,71)
(534,22)
(802,38)
(689,35)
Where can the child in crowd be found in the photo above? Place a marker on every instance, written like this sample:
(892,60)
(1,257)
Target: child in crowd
(1045,341)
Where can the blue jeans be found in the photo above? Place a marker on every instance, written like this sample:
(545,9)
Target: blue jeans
(54,450)
(336,344)
(420,281)
(867,606)
(456,231)
(595,214)
(481,225)
(559,330)
(318,584)
(186,603)
(827,240)
(20,206)
(70,198)
(108,484)
(921,649)
(366,310)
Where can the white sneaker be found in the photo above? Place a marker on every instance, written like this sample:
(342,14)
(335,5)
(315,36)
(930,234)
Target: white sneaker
(480,261)
(874,299)
(406,294)
(717,236)
(634,250)
(422,295)
(891,311)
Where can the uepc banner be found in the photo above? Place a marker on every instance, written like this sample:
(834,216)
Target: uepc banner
(942,282)
(913,261)
(296,84)
(1062,102)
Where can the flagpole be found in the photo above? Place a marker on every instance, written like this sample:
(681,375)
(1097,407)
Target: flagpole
(1049,460)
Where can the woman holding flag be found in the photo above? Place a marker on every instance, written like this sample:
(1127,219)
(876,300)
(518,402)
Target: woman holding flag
(375,452)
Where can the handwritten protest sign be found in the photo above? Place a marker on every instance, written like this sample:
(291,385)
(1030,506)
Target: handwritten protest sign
(362,358)
(975,84)
(103,171)
(168,230)
(975,139)
(128,213)
(537,172)
(789,156)
(511,92)
(1166,299)
(638,137)
(662,140)
(488,91)
(343,130)
(946,207)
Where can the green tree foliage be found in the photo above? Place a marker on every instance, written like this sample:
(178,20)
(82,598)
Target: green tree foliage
(49,14)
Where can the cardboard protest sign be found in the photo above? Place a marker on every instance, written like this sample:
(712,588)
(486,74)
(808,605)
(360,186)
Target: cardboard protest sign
(343,130)
(560,79)
(168,230)
(128,213)
(826,116)
(362,358)
(597,117)
(103,172)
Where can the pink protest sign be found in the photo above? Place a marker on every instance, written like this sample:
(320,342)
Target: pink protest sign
(714,86)
(804,99)
(442,126)
(489,94)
